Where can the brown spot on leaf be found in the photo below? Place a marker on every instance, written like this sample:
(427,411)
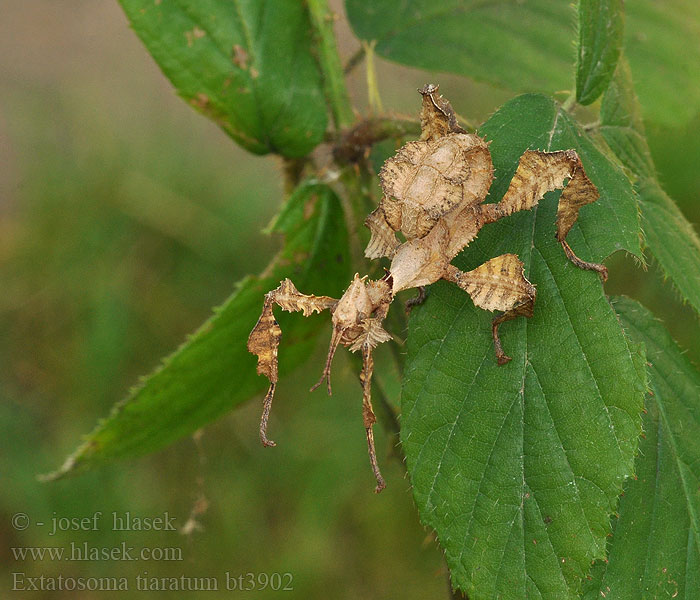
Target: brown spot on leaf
(194,34)
(239,57)
(200,101)
(309,206)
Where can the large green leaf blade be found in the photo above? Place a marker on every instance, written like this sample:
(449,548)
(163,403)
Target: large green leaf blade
(489,41)
(621,123)
(517,468)
(654,552)
(213,371)
(249,66)
(672,240)
(601,32)
(527,46)
(670,237)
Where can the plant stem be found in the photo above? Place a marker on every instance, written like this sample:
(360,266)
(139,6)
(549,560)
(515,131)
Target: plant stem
(569,103)
(354,60)
(352,144)
(351,197)
(375,101)
(331,68)
(293,169)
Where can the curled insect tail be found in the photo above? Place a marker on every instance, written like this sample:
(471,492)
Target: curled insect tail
(267,404)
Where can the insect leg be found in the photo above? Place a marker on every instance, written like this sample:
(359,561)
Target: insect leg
(368,416)
(541,172)
(498,284)
(602,270)
(265,337)
(416,300)
(522,310)
(335,340)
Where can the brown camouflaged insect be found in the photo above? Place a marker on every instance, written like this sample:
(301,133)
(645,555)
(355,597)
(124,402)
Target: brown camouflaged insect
(433,193)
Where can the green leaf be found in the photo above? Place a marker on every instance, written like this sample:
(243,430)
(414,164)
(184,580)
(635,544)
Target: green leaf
(621,123)
(527,46)
(672,240)
(499,42)
(601,31)
(517,468)
(213,371)
(249,66)
(669,236)
(655,549)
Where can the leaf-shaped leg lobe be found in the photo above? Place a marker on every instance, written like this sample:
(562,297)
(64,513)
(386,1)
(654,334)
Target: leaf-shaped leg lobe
(264,341)
(383,241)
(265,337)
(498,284)
(541,172)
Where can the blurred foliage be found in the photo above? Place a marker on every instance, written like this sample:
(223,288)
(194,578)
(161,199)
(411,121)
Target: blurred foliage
(124,217)
(235,64)
(212,371)
(653,551)
(123,221)
(527,46)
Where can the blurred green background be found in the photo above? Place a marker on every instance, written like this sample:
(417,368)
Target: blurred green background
(124,217)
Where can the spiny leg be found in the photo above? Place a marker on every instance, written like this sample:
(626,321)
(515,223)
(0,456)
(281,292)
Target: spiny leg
(602,270)
(523,310)
(267,405)
(335,340)
(498,284)
(578,192)
(541,172)
(416,300)
(264,341)
(349,312)
(265,337)
(368,416)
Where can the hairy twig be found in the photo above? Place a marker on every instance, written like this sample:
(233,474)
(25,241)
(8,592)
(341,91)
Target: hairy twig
(337,97)
(353,144)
